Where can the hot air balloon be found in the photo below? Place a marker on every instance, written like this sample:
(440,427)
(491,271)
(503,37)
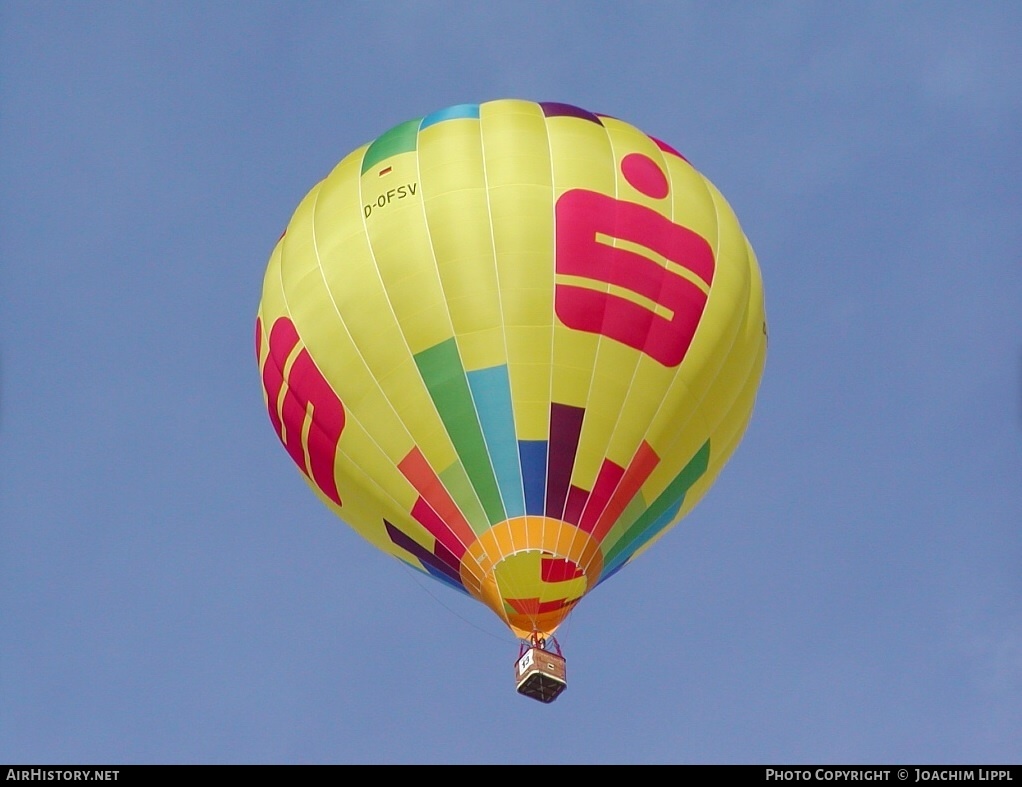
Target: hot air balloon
(511,344)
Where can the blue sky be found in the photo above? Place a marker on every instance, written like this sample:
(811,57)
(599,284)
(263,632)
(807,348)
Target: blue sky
(171,592)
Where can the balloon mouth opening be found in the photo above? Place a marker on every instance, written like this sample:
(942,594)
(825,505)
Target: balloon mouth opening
(532,571)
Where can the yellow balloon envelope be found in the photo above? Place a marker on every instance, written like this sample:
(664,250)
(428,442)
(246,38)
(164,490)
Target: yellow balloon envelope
(511,344)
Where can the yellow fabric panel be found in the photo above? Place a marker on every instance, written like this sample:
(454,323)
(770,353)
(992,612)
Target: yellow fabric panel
(450,157)
(482,349)
(530,386)
(402,251)
(514,137)
(691,203)
(370,485)
(607,392)
(582,156)
(520,198)
(457,213)
(741,383)
(644,401)
(515,576)
(573,353)
(731,378)
(459,231)
(728,297)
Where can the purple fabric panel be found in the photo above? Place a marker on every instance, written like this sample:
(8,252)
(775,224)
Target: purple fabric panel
(444,562)
(554,109)
(565,427)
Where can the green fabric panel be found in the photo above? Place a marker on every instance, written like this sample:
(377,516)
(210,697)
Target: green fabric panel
(458,485)
(400,139)
(441,370)
(636,508)
(671,498)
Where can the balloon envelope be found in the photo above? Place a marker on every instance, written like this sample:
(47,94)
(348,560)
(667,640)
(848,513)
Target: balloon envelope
(511,344)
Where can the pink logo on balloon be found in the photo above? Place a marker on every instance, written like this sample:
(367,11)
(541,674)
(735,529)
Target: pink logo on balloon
(588,222)
(307,397)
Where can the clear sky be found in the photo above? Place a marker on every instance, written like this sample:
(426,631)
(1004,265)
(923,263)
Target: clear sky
(170,590)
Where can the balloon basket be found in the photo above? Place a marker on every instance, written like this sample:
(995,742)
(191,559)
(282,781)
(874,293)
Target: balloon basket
(540,674)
